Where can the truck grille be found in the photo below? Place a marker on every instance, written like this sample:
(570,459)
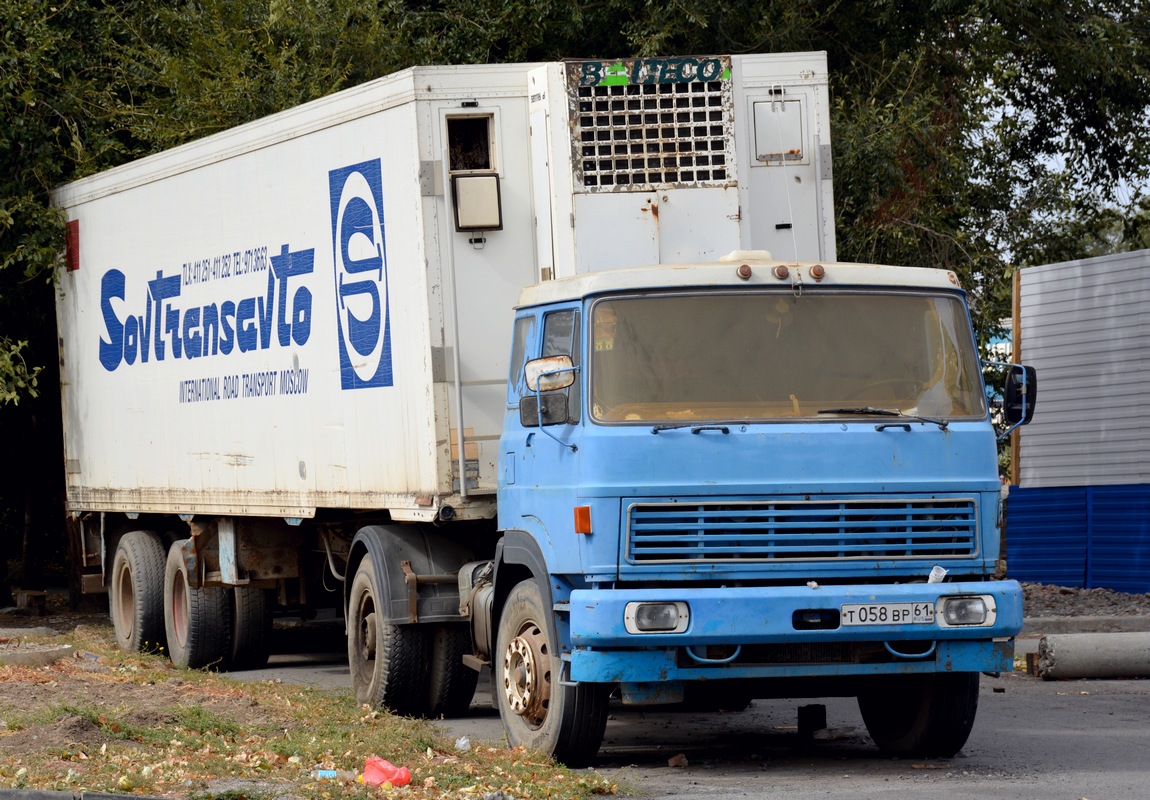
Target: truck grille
(645,126)
(802,530)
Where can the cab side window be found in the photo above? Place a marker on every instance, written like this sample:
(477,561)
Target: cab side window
(561,338)
(522,338)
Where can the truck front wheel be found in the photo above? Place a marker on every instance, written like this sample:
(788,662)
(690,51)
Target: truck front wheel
(137,592)
(386,661)
(198,621)
(537,710)
(921,716)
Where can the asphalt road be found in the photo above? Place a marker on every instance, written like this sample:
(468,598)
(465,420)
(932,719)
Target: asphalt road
(1033,739)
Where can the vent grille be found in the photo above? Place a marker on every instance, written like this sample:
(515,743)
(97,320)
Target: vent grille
(802,531)
(637,130)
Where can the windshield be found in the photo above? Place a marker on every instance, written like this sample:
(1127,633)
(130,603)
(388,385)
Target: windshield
(770,355)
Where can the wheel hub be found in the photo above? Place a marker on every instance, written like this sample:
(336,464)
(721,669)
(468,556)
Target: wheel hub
(367,637)
(527,675)
(181,616)
(125,616)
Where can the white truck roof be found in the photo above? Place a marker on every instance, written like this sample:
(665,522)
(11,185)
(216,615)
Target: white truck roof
(367,99)
(764,272)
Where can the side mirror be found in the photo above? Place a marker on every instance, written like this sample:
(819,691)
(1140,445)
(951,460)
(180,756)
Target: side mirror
(550,373)
(1019,395)
(543,409)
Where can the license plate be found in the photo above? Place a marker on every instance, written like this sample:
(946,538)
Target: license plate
(887,613)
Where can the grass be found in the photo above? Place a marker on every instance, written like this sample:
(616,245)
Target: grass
(152,729)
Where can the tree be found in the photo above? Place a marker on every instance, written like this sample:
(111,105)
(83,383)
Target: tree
(48,129)
(972,135)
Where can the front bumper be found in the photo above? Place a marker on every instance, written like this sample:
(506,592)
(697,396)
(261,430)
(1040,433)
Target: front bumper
(754,631)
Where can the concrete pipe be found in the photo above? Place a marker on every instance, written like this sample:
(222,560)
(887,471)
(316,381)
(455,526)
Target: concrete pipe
(1094,655)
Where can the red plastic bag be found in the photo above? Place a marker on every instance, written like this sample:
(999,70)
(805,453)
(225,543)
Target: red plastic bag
(377,772)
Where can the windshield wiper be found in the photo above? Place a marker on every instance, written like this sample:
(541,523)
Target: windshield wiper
(870,411)
(695,428)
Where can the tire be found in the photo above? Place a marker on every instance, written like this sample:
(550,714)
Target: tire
(251,628)
(136,593)
(450,684)
(538,711)
(198,621)
(921,716)
(386,661)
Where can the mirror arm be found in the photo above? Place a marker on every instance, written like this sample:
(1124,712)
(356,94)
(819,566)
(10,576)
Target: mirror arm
(1011,429)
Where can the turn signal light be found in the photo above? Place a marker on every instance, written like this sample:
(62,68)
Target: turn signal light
(582,519)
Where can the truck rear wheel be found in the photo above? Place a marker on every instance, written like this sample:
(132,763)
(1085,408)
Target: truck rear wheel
(386,661)
(451,684)
(921,716)
(251,628)
(198,621)
(137,592)
(537,710)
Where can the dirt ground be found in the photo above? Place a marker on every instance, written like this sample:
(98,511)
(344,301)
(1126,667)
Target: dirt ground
(99,720)
(28,692)
(35,699)
(64,707)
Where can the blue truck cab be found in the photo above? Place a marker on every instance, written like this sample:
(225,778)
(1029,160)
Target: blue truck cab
(749,479)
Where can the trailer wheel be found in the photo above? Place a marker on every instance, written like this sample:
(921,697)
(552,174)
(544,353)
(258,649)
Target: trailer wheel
(198,621)
(451,684)
(386,661)
(538,711)
(137,592)
(251,628)
(921,716)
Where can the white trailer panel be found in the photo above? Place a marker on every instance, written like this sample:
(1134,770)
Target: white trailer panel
(261,321)
(679,160)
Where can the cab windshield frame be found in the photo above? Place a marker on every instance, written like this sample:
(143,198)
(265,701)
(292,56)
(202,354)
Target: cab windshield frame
(771,355)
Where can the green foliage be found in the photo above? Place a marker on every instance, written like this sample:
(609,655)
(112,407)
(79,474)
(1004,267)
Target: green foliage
(16,379)
(972,135)
(1078,73)
(189,70)
(49,128)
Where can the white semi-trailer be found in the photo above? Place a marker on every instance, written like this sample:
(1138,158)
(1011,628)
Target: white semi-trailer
(391,352)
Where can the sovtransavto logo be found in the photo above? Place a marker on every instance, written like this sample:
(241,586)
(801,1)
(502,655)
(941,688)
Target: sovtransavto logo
(361,275)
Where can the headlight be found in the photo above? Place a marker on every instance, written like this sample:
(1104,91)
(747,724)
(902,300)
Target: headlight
(956,612)
(642,617)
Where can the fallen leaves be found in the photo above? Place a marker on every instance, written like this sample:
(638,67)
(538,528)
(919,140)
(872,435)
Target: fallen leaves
(151,729)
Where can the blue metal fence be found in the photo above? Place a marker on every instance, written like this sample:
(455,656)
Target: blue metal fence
(1083,536)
